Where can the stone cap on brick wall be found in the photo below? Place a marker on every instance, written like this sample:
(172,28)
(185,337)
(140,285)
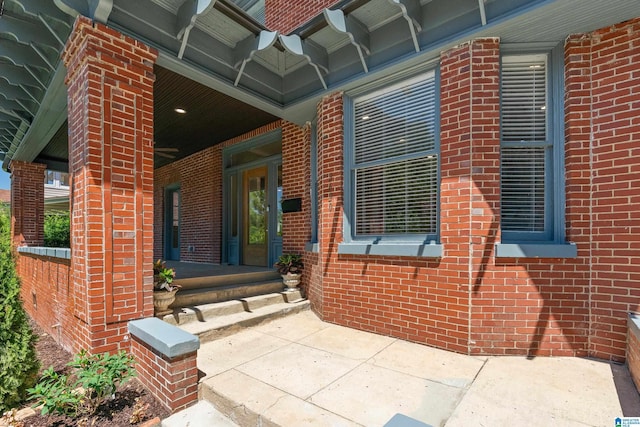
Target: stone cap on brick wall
(169,340)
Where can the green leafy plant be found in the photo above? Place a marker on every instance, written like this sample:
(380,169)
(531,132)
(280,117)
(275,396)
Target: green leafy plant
(289,263)
(18,362)
(57,229)
(163,277)
(97,379)
(55,394)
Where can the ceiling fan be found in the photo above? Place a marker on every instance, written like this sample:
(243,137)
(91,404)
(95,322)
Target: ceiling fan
(164,151)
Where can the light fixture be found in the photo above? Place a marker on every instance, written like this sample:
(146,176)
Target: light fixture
(180,110)
(365,117)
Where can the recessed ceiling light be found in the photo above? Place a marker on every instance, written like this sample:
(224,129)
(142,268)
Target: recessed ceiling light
(180,110)
(365,117)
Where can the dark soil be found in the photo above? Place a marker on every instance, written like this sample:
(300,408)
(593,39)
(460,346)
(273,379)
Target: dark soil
(131,397)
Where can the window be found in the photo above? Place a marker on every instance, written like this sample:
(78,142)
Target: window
(531,153)
(391,154)
(56,179)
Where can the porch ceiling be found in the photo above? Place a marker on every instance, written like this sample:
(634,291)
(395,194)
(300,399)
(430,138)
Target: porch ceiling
(238,62)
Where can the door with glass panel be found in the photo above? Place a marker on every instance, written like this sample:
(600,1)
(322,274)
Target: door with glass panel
(255,203)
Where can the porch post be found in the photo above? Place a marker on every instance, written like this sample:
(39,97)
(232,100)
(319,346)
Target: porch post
(27,203)
(110,108)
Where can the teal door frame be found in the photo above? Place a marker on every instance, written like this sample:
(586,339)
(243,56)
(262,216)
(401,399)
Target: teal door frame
(172,225)
(232,199)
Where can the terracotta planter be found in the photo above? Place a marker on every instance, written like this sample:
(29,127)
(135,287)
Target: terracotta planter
(162,300)
(291,281)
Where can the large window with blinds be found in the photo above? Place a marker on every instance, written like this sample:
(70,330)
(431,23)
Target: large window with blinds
(392,162)
(527,147)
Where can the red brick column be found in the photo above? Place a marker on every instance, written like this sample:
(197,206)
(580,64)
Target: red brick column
(110,102)
(27,203)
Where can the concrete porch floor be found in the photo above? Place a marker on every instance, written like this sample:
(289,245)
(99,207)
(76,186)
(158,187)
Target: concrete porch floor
(300,371)
(191,270)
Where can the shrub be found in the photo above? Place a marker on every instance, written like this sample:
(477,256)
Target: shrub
(18,362)
(97,378)
(57,229)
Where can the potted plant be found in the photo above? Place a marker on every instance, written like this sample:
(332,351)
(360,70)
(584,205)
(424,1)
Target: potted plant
(164,291)
(290,268)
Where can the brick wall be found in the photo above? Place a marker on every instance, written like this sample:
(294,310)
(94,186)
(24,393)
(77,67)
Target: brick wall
(173,381)
(199,177)
(633,350)
(27,203)
(284,16)
(470,301)
(615,187)
(110,108)
(48,297)
(296,173)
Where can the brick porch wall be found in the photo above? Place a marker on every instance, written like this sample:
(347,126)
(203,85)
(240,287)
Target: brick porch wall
(200,179)
(469,301)
(46,292)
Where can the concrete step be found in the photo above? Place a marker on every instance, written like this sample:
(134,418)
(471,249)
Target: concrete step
(216,320)
(205,295)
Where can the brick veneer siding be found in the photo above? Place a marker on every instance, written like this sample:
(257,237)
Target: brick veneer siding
(199,177)
(470,301)
(27,203)
(173,381)
(110,107)
(48,299)
(612,54)
(284,15)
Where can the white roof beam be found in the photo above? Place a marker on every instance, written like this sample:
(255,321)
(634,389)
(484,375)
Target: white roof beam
(315,56)
(187,15)
(412,13)
(247,48)
(354,30)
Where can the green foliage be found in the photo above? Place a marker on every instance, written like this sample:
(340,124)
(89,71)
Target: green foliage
(57,230)
(18,362)
(97,378)
(55,395)
(289,263)
(163,277)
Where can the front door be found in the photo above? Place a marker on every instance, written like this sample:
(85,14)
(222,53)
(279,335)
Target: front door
(255,223)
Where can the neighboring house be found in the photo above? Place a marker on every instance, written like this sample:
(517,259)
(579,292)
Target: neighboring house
(5,196)
(462,174)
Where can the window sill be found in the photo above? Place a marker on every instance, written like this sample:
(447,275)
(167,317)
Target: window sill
(311,247)
(392,249)
(536,250)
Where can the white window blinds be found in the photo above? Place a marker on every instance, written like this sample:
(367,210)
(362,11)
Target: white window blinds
(525,146)
(395,159)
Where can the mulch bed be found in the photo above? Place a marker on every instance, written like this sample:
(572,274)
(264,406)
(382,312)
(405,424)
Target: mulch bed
(117,412)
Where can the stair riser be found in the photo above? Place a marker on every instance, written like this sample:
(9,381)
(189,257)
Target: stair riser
(208,296)
(225,331)
(227,280)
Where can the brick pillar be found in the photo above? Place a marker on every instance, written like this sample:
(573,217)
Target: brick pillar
(110,102)
(27,203)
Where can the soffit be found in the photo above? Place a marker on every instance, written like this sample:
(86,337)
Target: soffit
(223,48)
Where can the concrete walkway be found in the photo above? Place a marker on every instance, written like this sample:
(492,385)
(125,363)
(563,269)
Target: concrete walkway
(300,371)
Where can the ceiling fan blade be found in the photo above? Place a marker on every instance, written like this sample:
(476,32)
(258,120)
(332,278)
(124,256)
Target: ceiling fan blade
(167,156)
(166,150)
